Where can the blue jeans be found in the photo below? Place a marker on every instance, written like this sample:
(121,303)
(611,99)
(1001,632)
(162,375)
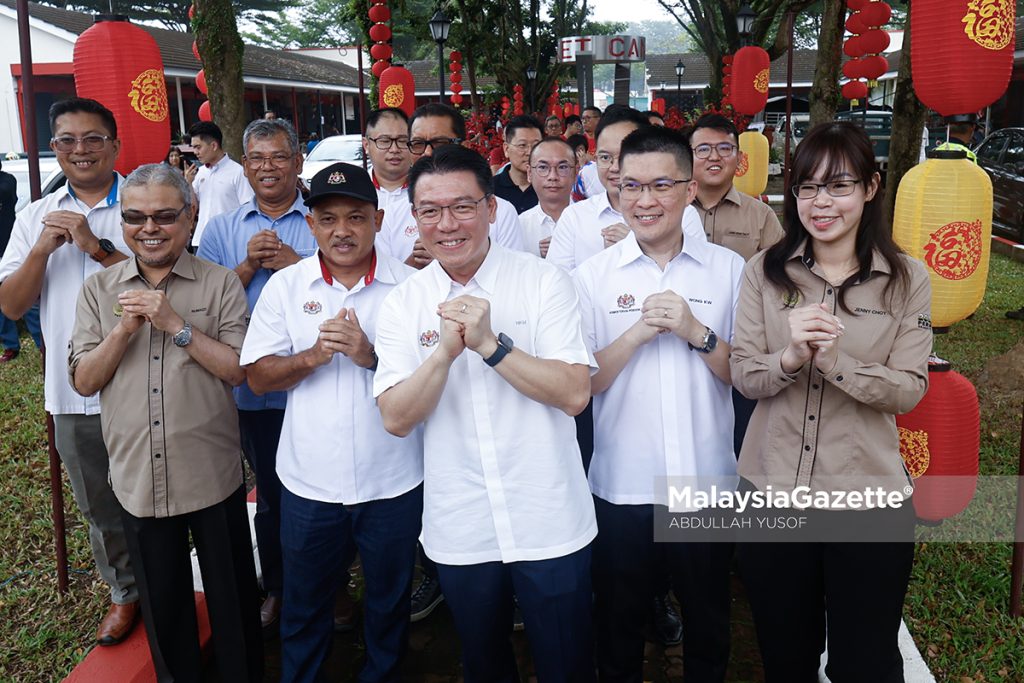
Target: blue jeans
(316,539)
(9,329)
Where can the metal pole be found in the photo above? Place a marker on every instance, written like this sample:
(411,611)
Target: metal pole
(440,71)
(362,96)
(1017,564)
(679,92)
(789,105)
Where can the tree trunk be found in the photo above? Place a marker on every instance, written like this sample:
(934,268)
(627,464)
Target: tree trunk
(221,50)
(908,117)
(824,98)
(474,97)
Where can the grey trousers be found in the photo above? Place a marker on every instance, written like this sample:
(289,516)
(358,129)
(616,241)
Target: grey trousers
(79,440)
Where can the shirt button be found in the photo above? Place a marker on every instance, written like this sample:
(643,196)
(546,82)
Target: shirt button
(156,455)
(806,448)
(156,357)
(811,418)
(814,386)
(156,391)
(839,378)
(157,422)
(830,292)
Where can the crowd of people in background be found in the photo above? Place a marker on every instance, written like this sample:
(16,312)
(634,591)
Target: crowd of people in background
(480,367)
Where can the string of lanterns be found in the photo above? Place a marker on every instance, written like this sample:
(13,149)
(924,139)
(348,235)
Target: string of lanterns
(455,69)
(380,34)
(864,47)
(726,81)
(205,113)
(517,100)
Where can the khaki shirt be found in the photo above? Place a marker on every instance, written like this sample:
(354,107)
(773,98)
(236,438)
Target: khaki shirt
(170,426)
(741,223)
(835,431)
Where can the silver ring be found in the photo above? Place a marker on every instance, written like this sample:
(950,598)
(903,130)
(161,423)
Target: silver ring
(665,315)
(464,307)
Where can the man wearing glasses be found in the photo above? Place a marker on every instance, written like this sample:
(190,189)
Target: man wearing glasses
(386,144)
(551,172)
(658,311)
(158,336)
(590,117)
(219,183)
(506,504)
(513,184)
(57,242)
(264,235)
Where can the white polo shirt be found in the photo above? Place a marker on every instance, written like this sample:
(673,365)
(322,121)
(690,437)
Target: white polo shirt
(577,234)
(385,197)
(220,188)
(503,479)
(333,446)
(536,225)
(666,414)
(66,271)
(399,231)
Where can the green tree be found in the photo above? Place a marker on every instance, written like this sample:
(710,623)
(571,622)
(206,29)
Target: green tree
(317,23)
(221,47)
(171,14)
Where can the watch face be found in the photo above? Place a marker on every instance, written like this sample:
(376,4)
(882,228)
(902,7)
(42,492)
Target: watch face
(505,341)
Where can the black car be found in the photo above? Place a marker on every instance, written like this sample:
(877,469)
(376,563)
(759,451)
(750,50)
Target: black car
(1002,155)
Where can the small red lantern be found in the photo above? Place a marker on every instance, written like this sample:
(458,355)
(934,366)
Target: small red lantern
(658,105)
(455,77)
(852,69)
(379,14)
(204,111)
(873,67)
(201,81)
(750,76)
(397,88)
(961,53)
(380,33)
(380,51)
(856,5)
(855,90)
(119,65)
(876,13)
(378,67)
(873,41)
(855,24)
(195,51)
(939,442)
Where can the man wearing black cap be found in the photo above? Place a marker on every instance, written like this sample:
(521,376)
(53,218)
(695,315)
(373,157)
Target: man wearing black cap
(312,334)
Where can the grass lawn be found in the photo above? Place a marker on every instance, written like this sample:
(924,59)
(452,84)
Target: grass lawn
(957,607)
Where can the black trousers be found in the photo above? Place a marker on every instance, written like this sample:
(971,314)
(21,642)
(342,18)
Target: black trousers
(159,550)
(260,431)
(626,565)
(852,591)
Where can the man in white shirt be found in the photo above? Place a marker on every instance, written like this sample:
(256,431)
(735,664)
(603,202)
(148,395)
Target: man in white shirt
(551,170)
(219,183)
(345,479)
(506,507)
(57,242)
(658,311)
(386,144)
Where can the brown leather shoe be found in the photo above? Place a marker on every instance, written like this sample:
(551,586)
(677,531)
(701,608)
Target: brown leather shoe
(118,623)
(270,613)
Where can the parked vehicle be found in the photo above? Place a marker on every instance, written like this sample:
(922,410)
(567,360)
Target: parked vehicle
(1002,155)
(330,150)
(877,123)
(50,177)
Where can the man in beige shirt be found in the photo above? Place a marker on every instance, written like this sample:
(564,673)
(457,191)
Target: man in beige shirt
(158,335)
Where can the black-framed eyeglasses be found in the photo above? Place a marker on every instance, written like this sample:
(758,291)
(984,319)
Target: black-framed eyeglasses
(461,211)
(659,188)
(420,146)
(91,143)
(724,149)
(165,217)
(384,142)
(834,188)
(276,160)
(544,170)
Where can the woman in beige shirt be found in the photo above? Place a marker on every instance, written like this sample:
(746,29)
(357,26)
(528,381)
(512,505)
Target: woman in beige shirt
(832,338)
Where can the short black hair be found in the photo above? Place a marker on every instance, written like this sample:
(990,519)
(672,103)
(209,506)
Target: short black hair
(208,131)
(443,111)
(651,139)
(620,114)
(592,108)
(451,159)
(716,122)
(571,119)
(375,116)
(579,140)
(518,123)
(557,140)
(83,105)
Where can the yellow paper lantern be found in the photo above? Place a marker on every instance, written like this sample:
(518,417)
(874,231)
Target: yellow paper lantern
(944,217)
(752,169)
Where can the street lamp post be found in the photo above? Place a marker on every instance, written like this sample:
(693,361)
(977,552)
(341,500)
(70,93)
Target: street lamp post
(439,27)
(531,76)
(745,23)
(680,70)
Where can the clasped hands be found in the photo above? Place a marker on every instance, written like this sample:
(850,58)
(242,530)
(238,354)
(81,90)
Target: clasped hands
(667,312)
(814,334)
(266,250)
(466,324)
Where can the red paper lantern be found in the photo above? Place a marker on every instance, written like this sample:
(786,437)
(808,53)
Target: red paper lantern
(939,442)
(204,111)
(961,53)
(455,56)
(456,99)
(195,51)
(853,69)
(658,105)
(873,67)
(381,51)
(750,74)
(396,88)
(855,90)
(201,81)
(380,33)
(873,41)
(455,88)
(852,48)
(119,65)
(855,24)
(875,14)
(856,5)
(191,12)
(727,59)
(456,77)
(378,67)
(379,14)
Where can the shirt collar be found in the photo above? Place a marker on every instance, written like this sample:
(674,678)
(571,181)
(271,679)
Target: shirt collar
(326,276)
(630,250)
(112,196)
(732,196)
(376,184)
(183,267)
(220,162)
(251,207)
(801,253)
(486,276)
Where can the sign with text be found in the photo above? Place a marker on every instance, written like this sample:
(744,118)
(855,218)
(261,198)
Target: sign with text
(603,49)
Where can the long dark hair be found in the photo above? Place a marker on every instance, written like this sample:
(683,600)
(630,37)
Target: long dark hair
(843,146)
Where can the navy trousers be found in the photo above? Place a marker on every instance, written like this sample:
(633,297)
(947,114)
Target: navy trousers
(316,542)
(555,598)
(260,431)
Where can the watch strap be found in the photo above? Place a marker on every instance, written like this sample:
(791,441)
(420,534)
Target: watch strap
(504,348)
(105,249)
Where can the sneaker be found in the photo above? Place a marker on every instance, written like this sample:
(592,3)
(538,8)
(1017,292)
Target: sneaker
(1016,315)
(8,355)
(668,626)
(425,598)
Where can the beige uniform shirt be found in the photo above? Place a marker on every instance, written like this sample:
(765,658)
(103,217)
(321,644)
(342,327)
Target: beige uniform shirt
(741,223)
(170,426)
(834,431)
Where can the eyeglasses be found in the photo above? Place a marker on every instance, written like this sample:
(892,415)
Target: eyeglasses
(420,146)
(524,147)
(724,149)
(384,142)
(276,160)
(659,188)
(605,160)
(137,218)
(835,188)
(543,170)
(91,143)
(461,211)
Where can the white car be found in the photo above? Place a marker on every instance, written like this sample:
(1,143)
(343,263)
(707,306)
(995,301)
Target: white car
(330,150)
(50,177)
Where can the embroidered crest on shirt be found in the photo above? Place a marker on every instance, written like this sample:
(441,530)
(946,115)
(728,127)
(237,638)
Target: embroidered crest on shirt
(411,230)
(924,321)
(429,338)
(118,310)
(626,301)
(312,307)
(336,178)
(791,300)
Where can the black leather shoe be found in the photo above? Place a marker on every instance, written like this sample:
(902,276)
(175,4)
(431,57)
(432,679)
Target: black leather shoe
(1016,315)
(668,625)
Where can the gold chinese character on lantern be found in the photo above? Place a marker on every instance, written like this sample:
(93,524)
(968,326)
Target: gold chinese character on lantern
(148,95)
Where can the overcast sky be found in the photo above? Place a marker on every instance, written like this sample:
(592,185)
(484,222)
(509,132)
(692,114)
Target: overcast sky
(631,10)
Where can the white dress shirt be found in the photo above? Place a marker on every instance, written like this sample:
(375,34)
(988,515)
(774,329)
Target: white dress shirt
(399,231)
(66,271)
(666,414)
(503,479)
(220,188)
(333,446)
(536,225)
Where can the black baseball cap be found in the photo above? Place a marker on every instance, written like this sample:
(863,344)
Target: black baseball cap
(343,180)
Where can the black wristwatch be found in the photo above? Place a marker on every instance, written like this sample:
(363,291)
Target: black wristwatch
(106,249)
(710,342)
(505,345)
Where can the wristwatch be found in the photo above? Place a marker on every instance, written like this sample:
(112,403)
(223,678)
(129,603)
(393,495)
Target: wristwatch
(710,341)
(183,338)
(505,345)
(105,249)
